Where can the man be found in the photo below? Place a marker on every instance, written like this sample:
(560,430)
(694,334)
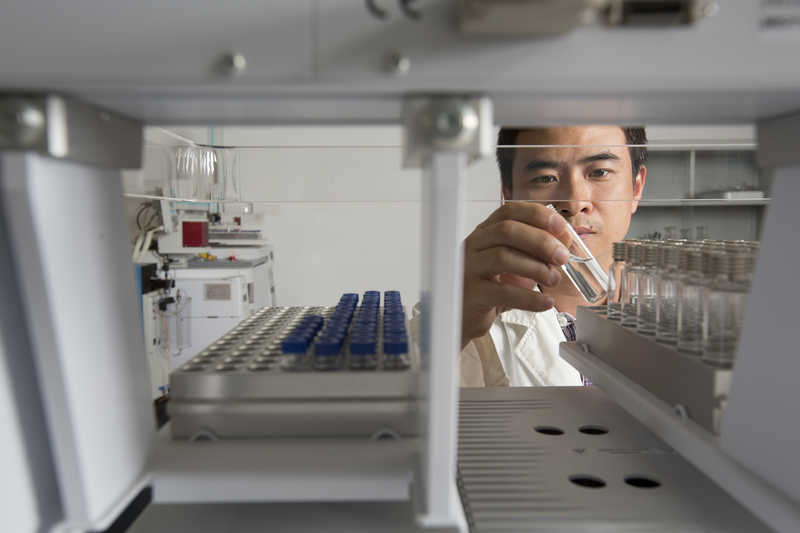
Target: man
(517,304)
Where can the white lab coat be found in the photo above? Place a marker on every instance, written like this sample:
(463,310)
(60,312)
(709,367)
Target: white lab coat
(526,345)
(521,349)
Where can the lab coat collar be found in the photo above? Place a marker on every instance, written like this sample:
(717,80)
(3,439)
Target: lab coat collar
(518,317)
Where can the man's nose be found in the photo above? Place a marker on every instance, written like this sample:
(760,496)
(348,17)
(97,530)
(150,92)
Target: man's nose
(575,198)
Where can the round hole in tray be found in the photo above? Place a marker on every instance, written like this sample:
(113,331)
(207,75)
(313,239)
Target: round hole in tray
(225,368)
(549,430)
(587,481)
(259,368)
(642,482)
(194,368)
(593,430)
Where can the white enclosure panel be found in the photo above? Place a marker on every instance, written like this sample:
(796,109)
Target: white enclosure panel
(718,53)
(29,498)
(760,427)
(69,235)
(318,61)
(85,42)
(18,504)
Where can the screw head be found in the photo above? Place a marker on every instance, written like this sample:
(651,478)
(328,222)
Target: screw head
(232,64)
(454,124)
(397,63)
(22,123)
(707,9)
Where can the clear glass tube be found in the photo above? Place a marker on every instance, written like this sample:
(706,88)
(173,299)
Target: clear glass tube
(630,285)
(690,302)
(646,303)
(723,311)
(616,280)
(667,296)
(583,270)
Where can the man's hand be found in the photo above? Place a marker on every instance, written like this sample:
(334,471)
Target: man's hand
(518,246)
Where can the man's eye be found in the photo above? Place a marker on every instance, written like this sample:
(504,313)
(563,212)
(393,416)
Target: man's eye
(544,179)
(599,173)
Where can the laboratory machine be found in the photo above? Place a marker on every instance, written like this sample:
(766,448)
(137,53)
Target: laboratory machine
(633,452)
(205,244)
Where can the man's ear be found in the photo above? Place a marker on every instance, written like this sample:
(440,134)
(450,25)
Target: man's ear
(638,187)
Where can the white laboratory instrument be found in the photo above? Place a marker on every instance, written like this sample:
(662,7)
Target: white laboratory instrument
(79,442)
(224,292)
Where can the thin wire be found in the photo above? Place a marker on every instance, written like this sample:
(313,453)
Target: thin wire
(656,145)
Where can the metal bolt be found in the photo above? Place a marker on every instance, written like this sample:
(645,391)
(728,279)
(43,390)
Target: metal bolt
(710,9)
(397,63)
(704,9)
(22,123)
(453,124)
(232,64)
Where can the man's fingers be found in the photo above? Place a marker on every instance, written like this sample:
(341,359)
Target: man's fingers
(501,260)
(518,281)
(512,297)
(527,239)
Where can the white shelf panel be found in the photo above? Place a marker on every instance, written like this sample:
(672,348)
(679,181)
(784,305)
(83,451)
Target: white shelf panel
(704,202)
(693,442)
(281,470)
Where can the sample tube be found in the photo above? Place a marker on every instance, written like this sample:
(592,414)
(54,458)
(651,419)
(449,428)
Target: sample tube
(690,301)
(634,264)
(615,281)
(646,303)
(667,295)
(723,312)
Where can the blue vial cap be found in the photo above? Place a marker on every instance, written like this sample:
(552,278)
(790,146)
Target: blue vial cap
(294,346)
(395,347)
(362,348)
(327,348)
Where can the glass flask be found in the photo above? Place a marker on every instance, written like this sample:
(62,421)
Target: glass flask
(667,295)
(690,301)
(634,264)
(648,279)
(616,280)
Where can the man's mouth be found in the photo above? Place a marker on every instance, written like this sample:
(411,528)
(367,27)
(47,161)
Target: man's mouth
(584,232)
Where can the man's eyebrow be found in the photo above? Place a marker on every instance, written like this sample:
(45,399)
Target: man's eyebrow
(603,156)
(537,164)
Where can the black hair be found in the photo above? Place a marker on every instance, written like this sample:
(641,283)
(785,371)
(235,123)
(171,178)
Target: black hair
(508,136)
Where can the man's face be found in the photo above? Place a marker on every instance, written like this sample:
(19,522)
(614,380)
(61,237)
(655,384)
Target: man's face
(587,175)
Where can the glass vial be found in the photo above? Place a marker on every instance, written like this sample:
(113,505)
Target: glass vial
(723,312)
(646,303)
(667,295)
(690,301)
(634,264)
(615,281)
(583,270)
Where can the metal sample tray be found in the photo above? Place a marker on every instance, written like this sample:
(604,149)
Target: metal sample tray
(679,379)
(243,385)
